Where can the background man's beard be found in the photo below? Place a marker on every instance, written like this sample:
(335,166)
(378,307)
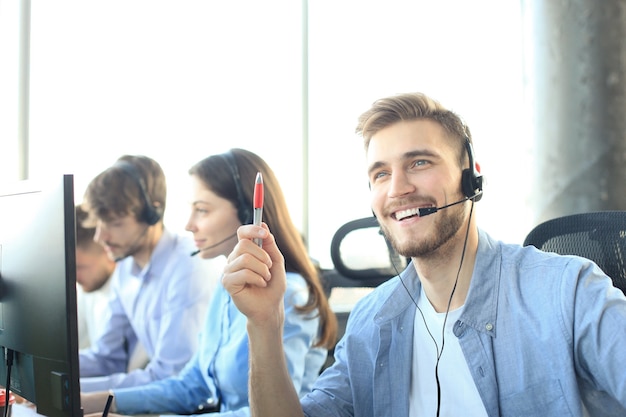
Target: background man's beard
(447,224)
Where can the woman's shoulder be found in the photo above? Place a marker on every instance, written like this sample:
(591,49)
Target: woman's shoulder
(295,280)
(297,291)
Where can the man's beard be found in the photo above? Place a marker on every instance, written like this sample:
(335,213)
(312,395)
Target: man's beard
(447,224)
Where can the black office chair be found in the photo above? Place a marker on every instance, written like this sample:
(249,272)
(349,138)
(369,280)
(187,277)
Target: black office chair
(599,236)
(362,258)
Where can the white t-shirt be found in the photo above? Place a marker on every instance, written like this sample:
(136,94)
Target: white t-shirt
(92,309)
(459,396)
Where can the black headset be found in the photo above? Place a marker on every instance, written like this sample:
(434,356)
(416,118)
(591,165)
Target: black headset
(244,207)
(150,213)
(471,179)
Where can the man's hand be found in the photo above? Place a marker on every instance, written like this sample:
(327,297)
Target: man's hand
(255,276)
(94,402)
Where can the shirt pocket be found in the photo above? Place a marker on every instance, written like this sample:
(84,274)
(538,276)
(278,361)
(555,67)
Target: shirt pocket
(542,399)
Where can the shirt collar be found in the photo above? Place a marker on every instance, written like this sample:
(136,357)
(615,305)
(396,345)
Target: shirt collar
(159,257)
(481,305)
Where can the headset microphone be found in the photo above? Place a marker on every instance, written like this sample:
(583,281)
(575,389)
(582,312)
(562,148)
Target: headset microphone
(194,253)
(425,211)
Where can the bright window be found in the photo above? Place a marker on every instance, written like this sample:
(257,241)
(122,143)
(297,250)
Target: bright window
(180,80)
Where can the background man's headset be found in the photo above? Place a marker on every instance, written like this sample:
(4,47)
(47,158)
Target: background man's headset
(150,213)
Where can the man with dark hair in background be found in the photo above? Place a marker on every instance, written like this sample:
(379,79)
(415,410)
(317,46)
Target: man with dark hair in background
(159,293)
(93,269)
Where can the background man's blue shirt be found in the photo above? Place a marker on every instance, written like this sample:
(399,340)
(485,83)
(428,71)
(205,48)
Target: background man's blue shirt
(162,306)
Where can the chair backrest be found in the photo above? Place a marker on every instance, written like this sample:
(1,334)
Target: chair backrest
(599,236)
(362,258)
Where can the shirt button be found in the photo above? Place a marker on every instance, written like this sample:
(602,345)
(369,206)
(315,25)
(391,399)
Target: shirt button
(489,327)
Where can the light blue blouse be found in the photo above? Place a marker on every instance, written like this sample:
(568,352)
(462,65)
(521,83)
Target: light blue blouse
(219,369)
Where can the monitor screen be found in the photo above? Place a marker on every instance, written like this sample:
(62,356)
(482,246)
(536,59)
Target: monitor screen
(38,294)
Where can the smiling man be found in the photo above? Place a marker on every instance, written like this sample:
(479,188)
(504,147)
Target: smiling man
(473,326)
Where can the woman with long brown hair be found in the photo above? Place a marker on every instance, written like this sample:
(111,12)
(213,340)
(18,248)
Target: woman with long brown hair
(216,379)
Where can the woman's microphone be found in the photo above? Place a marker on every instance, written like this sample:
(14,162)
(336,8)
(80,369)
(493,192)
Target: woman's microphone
(194,253)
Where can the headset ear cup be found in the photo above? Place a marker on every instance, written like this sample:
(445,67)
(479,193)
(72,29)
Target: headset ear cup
(478,186)
(152,214)
(471,185)
(471,180)
(467,185)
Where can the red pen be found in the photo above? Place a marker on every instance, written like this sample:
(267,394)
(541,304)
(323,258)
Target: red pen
(258,204)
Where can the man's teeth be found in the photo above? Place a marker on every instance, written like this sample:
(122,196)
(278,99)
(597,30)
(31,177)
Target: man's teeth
(403,214)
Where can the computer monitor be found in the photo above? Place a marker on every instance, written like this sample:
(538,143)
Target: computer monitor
(38,294)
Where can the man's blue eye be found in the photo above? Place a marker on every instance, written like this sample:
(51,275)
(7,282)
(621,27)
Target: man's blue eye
(379,175)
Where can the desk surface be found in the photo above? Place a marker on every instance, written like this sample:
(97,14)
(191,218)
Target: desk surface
(19,410)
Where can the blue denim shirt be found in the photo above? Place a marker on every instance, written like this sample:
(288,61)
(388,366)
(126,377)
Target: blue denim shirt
(541,334)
